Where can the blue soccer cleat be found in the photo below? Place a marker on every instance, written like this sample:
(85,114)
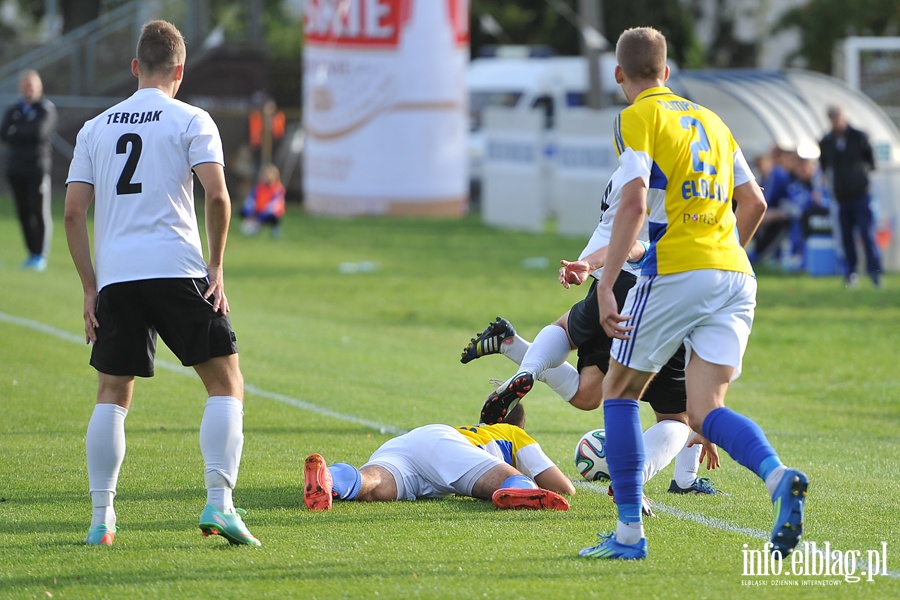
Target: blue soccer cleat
(504,398)
(789,500)
(101,535)
(488,341)
(228,525)
(701,485)
(610,548)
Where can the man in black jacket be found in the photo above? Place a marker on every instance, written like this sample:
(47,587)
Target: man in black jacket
(26,129)
(846,160)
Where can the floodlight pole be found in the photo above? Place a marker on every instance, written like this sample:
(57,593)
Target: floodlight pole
(591,13)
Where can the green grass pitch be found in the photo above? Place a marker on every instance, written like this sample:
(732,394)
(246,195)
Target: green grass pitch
(336,362)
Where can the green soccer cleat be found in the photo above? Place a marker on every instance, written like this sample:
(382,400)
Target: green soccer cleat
(228,525)
(101,535)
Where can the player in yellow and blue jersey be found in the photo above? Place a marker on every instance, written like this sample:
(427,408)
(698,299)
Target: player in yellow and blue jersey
(682,169)
(499,462)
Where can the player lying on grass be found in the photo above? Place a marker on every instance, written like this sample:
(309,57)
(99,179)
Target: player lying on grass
(499,462)
(670,438)
(579,328)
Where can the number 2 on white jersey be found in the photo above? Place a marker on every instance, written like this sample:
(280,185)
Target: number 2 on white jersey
(124,185)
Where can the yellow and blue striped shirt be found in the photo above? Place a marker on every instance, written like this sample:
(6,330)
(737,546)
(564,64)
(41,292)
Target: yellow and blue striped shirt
(690,164)
(510,444)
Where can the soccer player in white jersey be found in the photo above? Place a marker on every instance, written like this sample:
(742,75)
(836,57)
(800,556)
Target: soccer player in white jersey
(136,162)
(499,462)
(682,170)
(579,328)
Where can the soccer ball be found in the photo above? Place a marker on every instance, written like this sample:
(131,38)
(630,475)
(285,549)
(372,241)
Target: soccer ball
(590,456)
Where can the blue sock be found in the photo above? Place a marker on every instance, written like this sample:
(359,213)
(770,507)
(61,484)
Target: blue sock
(743,439)
(346,480)
(625,456)
(519,481)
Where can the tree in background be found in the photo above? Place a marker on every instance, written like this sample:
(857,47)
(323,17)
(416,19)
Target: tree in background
(824,22)
(541,22)
(75,13)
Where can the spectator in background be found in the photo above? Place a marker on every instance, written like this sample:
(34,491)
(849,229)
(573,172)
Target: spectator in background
(266,127)
(265,203)
(806,196)
(26,129)
(775,174)
(846,161)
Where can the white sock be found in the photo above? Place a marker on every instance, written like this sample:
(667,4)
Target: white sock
(662,442)
(687,463)
(774,479)
(220,496)
(549,349)
(514,348)
(221,441)
(105,445)
(629,533)
(562,379)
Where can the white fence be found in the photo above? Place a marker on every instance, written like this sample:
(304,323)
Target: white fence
(532,174)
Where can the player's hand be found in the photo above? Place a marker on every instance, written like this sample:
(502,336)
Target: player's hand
(612,322)
(573,273)
(90,317)
(216,291)
(710,451)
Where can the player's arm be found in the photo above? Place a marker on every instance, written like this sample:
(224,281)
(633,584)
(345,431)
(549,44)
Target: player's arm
(626,227)
(79,196)
(750,203)
(5,133)
(218,216)
(533,462)
(750,209)
(577,272)
(48,123)
(867,153)
(553,479)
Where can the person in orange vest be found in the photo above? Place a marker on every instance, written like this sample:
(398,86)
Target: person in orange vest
(265,203)
(266,127)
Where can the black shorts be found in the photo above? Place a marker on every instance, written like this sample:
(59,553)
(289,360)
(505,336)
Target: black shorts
(666,392)
(131,313)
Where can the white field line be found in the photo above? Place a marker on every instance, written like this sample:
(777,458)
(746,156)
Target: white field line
(594,487)
(176,368)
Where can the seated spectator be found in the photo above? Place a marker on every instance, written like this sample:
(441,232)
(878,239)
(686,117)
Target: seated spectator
(774,173)
(265,203)
(806,204)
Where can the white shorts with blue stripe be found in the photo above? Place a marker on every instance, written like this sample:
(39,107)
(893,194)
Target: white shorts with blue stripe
(711,311)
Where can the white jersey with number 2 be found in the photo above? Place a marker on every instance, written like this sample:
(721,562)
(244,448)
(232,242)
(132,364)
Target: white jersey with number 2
(139,156)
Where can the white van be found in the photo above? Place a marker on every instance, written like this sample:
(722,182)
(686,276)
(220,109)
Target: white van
(549,84)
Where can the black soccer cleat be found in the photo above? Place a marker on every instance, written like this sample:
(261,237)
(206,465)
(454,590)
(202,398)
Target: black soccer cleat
(504,399)
(488,341)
